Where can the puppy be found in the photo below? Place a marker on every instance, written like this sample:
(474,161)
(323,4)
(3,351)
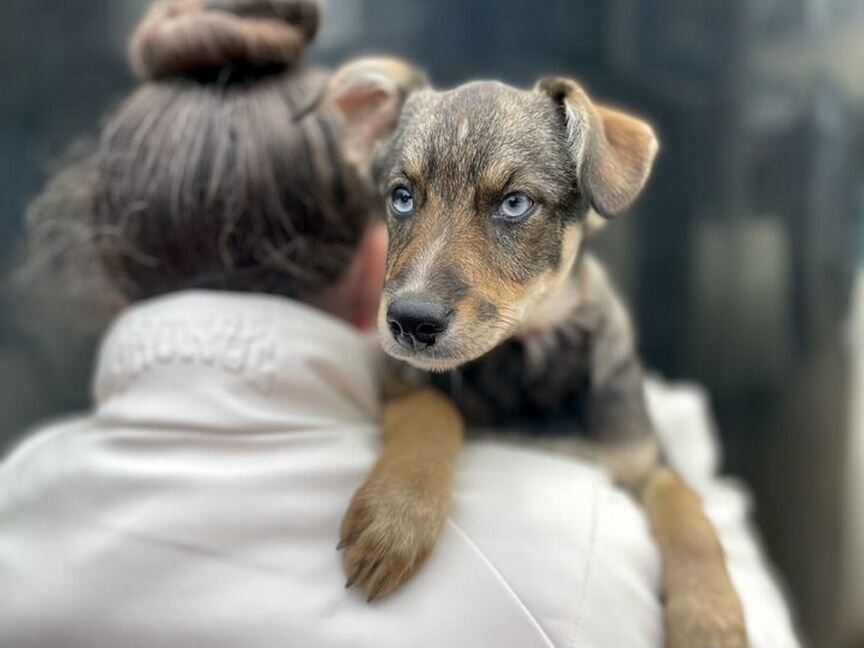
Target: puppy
(502,321)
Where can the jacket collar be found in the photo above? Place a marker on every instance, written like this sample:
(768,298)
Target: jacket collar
(225,361)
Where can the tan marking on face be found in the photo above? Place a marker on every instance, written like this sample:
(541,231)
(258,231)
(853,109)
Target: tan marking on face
(495,177)
(424,264)
(544,302)
(428,238)
(556,298)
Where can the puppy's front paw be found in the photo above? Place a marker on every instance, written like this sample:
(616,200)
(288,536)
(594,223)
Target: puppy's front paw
(389,530)
(705,619)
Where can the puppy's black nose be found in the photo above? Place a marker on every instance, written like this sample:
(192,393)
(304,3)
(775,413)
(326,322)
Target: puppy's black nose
(416,322)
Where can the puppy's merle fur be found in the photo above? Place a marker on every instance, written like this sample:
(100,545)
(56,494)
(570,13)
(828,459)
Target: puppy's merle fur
(493,301)
(537,338)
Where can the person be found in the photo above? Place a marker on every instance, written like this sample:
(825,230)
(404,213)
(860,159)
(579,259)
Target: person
(236,399)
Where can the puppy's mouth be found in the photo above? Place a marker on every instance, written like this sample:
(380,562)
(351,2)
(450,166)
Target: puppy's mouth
(438,359)
(426,334)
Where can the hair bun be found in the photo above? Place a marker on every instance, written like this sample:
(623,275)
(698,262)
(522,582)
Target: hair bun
(187,37)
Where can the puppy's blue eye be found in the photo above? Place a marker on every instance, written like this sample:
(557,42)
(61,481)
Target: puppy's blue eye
(515,207)
(402,201)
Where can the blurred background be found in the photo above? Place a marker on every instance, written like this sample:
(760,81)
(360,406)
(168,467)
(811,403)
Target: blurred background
(741,261)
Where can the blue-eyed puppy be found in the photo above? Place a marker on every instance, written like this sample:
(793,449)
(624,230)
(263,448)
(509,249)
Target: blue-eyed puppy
(495,308)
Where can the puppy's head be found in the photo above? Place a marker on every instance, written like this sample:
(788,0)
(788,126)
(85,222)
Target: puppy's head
(490,192)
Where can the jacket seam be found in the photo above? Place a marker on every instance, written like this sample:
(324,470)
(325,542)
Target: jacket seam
(586,575)
(508,588)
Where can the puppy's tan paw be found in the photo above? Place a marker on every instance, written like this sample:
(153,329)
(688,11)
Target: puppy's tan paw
(705,620)
(388,532)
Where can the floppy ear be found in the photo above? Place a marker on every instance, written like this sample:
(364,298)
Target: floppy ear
(369,93)
(613,152)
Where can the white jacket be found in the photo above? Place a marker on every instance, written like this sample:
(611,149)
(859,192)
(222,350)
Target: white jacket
(199,505)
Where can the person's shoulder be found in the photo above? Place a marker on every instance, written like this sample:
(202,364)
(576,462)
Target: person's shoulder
(564,540)
(46,435)
(39,452)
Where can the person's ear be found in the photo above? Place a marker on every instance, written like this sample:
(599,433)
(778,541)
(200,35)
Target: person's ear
(369,94)
(357,294)
(372,258)
(613,152)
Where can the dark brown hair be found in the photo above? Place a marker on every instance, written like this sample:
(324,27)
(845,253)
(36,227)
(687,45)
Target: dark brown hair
(214,173)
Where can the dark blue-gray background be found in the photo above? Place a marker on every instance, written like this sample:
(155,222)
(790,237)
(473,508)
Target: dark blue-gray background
(738,261)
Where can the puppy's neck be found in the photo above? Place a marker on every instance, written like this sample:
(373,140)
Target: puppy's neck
(558,305)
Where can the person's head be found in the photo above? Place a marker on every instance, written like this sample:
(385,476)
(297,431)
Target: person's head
(216,172)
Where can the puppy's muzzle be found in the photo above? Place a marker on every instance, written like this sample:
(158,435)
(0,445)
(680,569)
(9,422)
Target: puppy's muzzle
(417,321)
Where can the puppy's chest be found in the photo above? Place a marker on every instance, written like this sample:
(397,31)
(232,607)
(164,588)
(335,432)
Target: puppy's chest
(536,384)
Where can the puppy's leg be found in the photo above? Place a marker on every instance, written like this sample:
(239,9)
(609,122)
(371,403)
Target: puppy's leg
(396,516)
(702,607)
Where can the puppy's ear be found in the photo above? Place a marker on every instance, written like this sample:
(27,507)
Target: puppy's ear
(613,152)
(369,93)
